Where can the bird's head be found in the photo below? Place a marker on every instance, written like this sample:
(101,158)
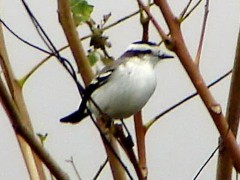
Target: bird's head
(146,51)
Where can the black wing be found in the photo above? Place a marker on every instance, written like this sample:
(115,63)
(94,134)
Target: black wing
(82,112)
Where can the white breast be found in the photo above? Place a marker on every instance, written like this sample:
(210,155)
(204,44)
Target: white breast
(123,97)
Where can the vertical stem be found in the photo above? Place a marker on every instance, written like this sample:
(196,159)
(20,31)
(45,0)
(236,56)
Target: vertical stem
(140,137)
(117,169)
(140,130)
(33,164)
(224,166)
(144,19)
(69,28)
(199,51)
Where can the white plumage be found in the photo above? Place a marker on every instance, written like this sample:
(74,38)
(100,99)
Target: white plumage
(124,87)
(127,90)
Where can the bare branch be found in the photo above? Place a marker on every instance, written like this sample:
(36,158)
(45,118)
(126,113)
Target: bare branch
(158,27)
(204,165)
(24,131)
(186,8)
(74,167)
(199,51)
(212,106)
(190,11)
(224,169)
(34,165)
(100,169)
(151,122)
(140,137)
(72,36)
(127,145)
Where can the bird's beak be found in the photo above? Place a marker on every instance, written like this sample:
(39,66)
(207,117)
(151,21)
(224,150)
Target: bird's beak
(165,56)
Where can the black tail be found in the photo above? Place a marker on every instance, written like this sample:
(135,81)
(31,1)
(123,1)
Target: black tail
(76,116)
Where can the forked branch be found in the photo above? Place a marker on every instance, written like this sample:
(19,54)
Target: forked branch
(191,68)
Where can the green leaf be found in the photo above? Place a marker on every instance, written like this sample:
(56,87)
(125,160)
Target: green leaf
(92,57)
(81,11)
(42,137)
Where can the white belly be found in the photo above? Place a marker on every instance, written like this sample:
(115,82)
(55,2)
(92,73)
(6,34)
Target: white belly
(123,97)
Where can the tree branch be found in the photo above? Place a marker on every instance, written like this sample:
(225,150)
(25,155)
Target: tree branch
(224,168)
(199,51)
(24,131)
(159,29)
(34,165)
(66,20)
(212,106)
(155,119)
(140,137)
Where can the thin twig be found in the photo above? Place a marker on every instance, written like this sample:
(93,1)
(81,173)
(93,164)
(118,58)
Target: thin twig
(151,17)
(199,51)
(185,9)
(74,167)
(151,122)
(42,34)
(23,40)
(33,70)
(204,165)
(100,169)
(66,64)
(191,10)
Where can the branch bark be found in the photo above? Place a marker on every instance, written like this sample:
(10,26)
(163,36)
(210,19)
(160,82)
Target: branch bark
(224,167)
(66,20)
(212,106)
(204,24)
(34,165)
(27,134)
(140,138)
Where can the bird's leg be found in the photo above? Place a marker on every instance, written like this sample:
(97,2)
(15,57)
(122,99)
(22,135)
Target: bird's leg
(129,141)
(106,120)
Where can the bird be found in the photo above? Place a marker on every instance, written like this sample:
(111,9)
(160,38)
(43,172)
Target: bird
(123,87)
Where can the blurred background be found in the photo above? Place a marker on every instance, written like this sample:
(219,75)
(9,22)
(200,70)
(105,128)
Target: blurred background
(177,145)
